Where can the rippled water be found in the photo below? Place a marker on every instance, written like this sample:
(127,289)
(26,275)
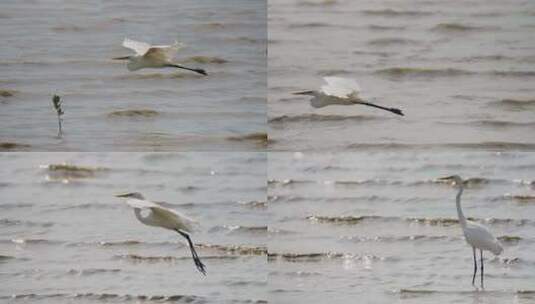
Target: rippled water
(65,47)
(65,238)
(379,227)
(462,72)
(334,227)
(363,220)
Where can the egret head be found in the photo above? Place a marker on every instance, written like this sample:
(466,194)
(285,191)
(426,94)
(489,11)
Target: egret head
(309,93)
(456,179)
(135,195)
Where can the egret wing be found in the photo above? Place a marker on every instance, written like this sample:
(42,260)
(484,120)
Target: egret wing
(171,50)
(137,46)
(181,221)
(164,53)
(340,87)
(481,237)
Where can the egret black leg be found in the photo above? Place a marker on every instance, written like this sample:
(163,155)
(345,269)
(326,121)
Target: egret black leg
(393,110)
(481,252)
(200,71)
(200,266)
(475,267)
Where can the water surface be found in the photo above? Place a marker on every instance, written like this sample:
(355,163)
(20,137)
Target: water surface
(461,72)
(65,48)
(65,238)
(379,227)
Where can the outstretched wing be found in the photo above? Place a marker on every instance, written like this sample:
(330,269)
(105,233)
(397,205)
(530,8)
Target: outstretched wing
(340,87)
(139,47)
(175,219)
(182,222)
(163,52)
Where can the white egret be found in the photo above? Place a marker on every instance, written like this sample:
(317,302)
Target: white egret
(160,216)
(153,56)
(476,235)
(341,91)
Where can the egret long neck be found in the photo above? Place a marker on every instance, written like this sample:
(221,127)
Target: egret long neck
(460,214)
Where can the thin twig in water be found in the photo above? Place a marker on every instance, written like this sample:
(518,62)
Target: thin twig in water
(56,101)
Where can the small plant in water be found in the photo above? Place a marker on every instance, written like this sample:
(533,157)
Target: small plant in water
(56,101)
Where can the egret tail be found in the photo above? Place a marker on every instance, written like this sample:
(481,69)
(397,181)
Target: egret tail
(200,71)
(393,110)
(200,266)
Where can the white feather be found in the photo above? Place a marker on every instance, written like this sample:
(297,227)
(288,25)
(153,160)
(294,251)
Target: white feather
(340,87)
(480,237)
(137,46)
(153,56)
(163,53)
(147,55)
(162,216)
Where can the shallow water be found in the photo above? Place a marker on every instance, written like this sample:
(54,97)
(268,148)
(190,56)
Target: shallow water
(379,227)
(462,73)
(364,219)
(333,227)
(65,238)
(65,48)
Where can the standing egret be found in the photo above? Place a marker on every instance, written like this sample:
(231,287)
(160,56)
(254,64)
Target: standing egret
(160,216)
(476,235)
(340,91)
(153,56)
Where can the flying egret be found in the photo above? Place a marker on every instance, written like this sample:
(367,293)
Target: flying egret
(341,91)
(160,216)
(476,235)
(153,56)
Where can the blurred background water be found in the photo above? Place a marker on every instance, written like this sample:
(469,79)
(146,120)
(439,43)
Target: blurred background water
(65,48)
(65,238)
(377,227)
(461,71)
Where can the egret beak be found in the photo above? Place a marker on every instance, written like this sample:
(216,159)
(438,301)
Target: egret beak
(447,178)
(121,58)
(123,195)
(304,93)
